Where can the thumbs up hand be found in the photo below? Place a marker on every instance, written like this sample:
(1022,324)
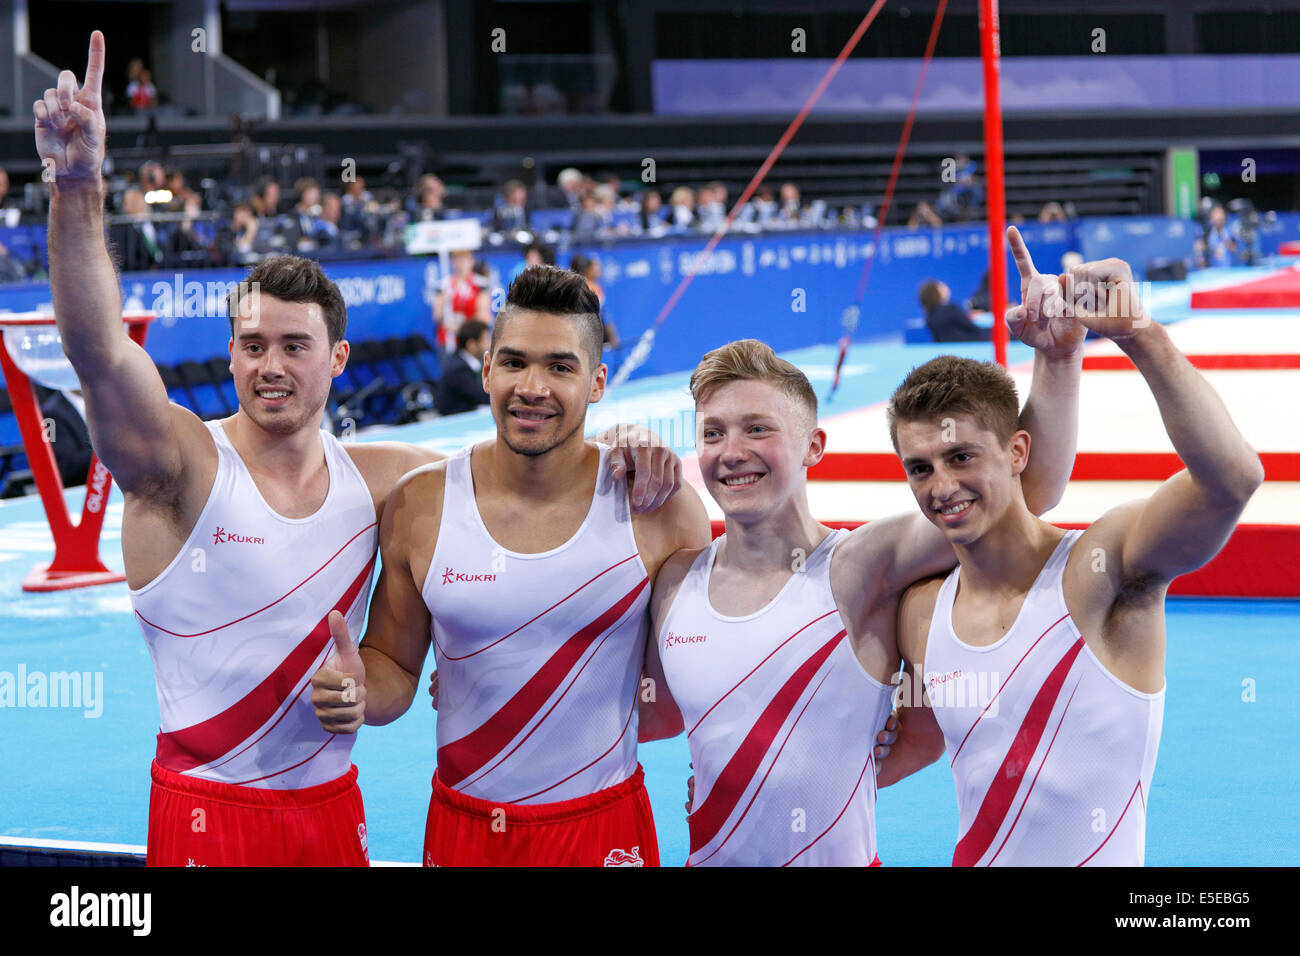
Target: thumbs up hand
(338,689)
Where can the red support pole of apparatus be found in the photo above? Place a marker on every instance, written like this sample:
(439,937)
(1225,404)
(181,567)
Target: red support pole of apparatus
(990,51)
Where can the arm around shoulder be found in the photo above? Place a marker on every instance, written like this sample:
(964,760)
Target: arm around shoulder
(920,739)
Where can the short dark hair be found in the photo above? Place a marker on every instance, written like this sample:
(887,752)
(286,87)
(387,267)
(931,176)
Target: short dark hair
(580,264)
(950,385)
(293,279)
(469,331)
(556,291)
(930,293)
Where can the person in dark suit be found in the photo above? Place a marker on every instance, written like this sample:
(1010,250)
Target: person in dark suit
(946,320)
(65,423)
(512,214)
(139,244)
(461,387)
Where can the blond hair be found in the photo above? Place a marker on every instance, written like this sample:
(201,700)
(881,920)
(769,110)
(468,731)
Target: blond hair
(752,360)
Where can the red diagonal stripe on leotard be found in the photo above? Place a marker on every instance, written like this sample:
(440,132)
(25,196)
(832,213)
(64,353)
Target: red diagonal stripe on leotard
(1041,764)
(571,681)
(953,761)
(833,610)
(1007,780)
(460,758)
(744,763)
(204,742)
(771,765)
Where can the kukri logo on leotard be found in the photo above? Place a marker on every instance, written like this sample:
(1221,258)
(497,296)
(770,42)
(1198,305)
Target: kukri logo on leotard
(452,576)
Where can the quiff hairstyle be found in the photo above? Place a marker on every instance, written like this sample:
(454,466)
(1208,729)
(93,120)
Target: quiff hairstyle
(292,279)
(752,360)
(556,291)
(949,385)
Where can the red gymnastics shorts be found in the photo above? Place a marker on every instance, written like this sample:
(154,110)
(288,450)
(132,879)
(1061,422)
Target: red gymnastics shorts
(612,827)
(195,822)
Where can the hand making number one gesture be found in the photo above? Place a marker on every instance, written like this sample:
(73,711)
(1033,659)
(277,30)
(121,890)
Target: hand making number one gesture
(70,123)
(1044,320)
(1057,311)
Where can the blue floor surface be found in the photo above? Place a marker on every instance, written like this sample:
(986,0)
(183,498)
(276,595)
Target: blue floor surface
(1223,792)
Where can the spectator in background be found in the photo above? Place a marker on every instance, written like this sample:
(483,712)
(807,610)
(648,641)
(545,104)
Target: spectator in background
(272,227)
(761,210)
(133,70)
(961,200)
(238,241)
(266,198)
(588,220)
(484,272)
(357,216)
(184,246)
(713,206)
(606,202)
(1216,244)
(432,193)
(651,214)
(622,203)
(136,240)
(1052,212)
(947,321)
(4,187)
(140,91)
(327,226)
(181,193)
(65,413)
(535,254)
(589,268)
(305,222)
(11,270)
(790,212)
(151,177)
(571,183)
(924,215)
(681,209)
(462,296)
(512,214)
(460,389)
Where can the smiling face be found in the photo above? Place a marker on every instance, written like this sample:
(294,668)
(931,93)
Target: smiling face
(963,478)
(540,378)
(755,444)
(283,364)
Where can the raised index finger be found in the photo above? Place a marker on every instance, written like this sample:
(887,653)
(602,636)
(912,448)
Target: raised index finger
(1020,252)
(95,65)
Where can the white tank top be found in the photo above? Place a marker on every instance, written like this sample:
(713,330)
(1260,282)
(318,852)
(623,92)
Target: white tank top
(238,623)
(781,720)
(539,655)
(1051,753)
